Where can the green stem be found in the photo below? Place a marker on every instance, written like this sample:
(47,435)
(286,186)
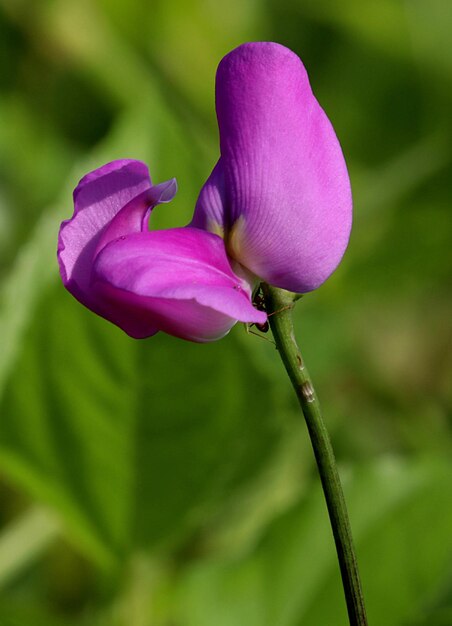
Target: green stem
(279,305)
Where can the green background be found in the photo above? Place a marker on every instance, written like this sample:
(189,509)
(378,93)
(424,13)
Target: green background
(163,483)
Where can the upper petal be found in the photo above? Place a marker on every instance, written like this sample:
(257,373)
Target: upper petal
(285,192)
(179,281)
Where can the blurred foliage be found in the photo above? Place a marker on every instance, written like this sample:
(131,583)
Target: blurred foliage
(160,483)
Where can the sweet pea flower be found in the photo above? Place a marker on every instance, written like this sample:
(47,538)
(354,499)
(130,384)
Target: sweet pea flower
(179,280)
(280,192)
(276,208)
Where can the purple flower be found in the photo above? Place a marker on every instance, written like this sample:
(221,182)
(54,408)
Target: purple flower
(277,207)
(280,192)
(179,281)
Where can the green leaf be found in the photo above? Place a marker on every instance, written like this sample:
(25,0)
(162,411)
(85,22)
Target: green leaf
(430,24)
(401,514)
(16,614)
(381,24)
(132,442)
(129,440)
(25,539)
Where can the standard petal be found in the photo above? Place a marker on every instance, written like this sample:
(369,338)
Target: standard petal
(179,281)
(285,190)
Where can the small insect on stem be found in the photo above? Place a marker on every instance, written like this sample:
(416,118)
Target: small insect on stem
(259,303)
(263,328)
(251,332)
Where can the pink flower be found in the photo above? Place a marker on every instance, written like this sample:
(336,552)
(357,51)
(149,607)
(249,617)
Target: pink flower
(179,280)
(277,207)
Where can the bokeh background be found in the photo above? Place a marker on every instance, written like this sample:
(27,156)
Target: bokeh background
(162,483)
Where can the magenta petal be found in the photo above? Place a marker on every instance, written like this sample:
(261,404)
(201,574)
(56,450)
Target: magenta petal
(209,210)
(134,217)
(285,187)
(179,281)
(108,202)
(99,196)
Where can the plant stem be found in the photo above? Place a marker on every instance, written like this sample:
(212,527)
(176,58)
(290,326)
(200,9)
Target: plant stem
(279,304)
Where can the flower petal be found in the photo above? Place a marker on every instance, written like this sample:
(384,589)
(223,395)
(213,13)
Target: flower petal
(134,216)
(108,202)
(97,198)
(285,190)
(179,281)
(209,211)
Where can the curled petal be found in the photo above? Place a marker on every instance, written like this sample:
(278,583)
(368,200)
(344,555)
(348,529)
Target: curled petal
(121,191)
(179,281)
(284,184)
(134,217)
